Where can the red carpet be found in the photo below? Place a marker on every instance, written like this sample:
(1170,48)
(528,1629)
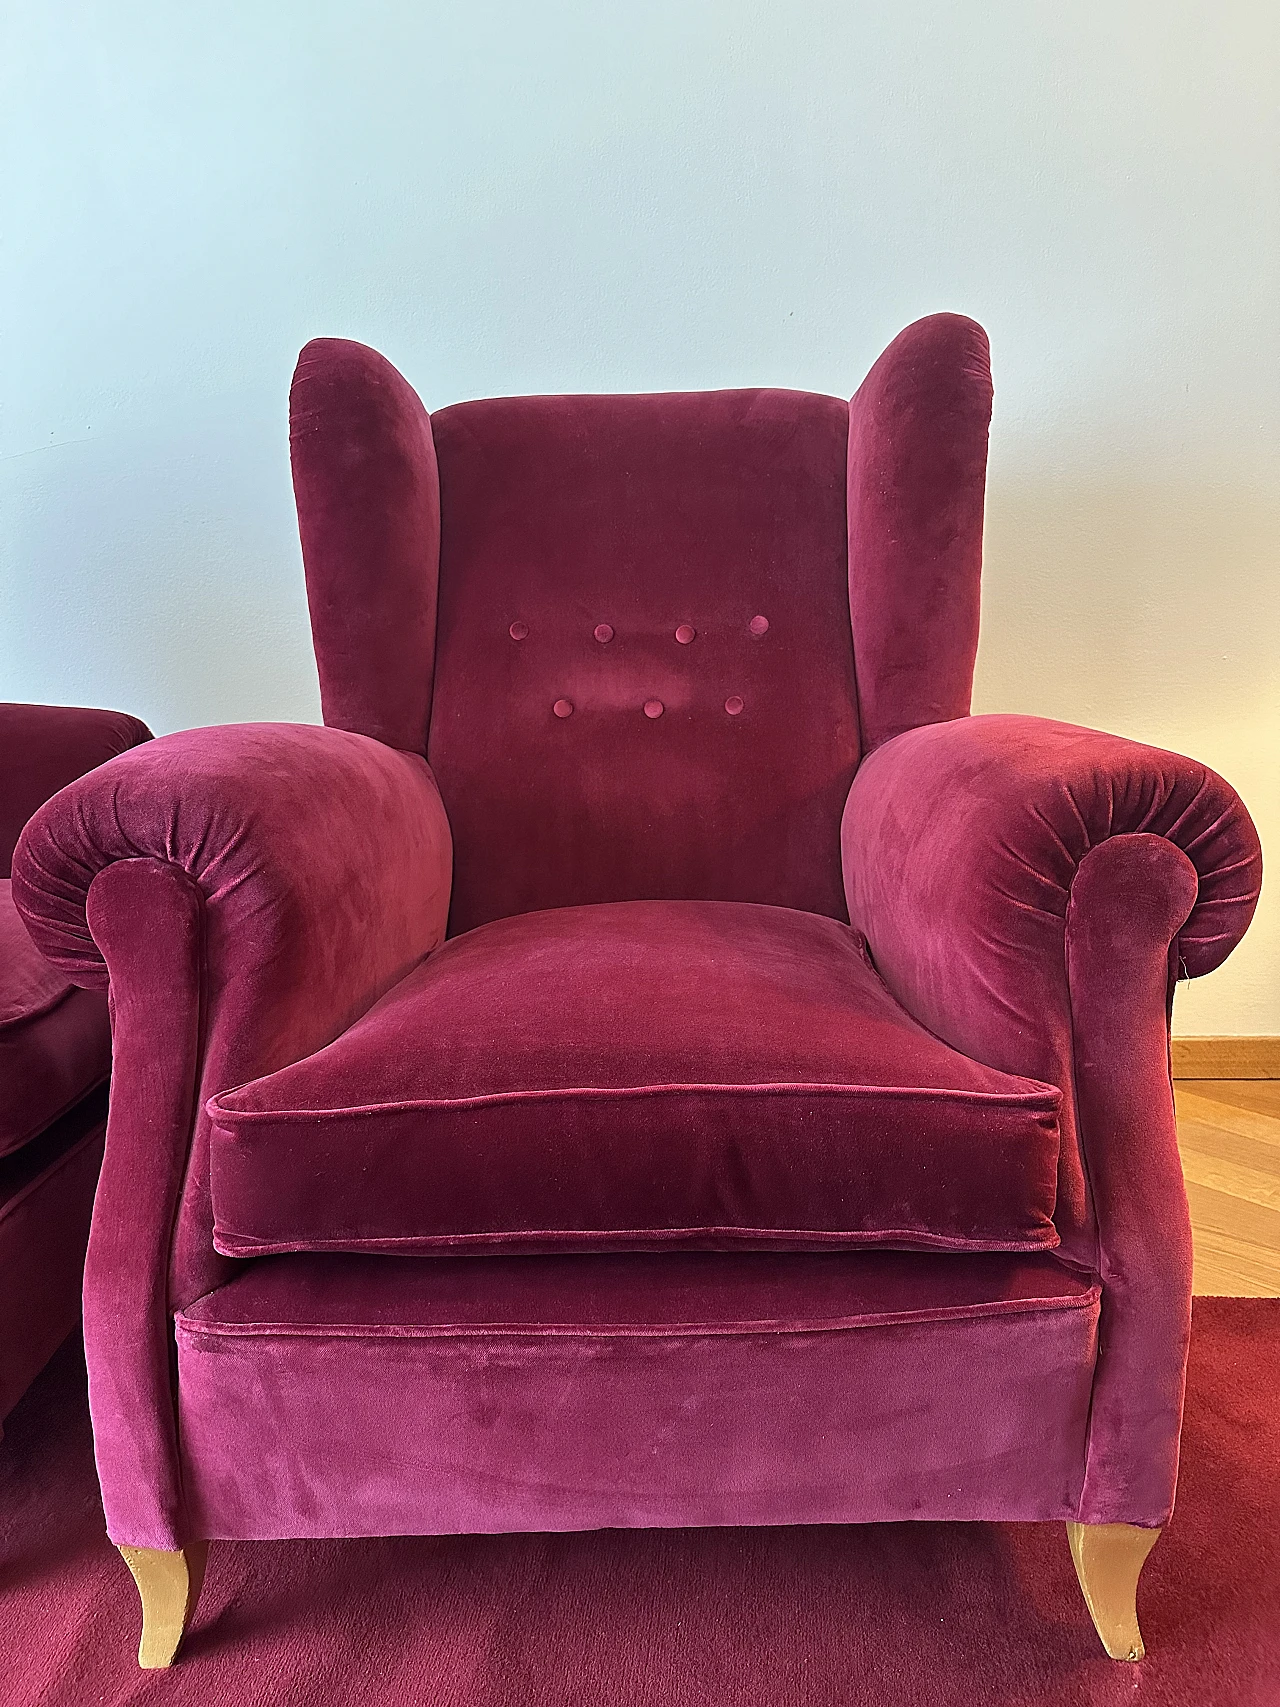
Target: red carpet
(925,1615)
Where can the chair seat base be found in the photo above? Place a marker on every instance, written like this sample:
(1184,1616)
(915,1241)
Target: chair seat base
(344,1396)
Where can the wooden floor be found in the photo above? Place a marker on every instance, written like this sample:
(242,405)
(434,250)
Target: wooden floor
(1229,1135)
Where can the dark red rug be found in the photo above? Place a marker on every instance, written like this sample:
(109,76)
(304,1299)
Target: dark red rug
(921,1614)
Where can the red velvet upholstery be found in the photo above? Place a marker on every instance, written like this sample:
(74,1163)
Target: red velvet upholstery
(916,479)
(648,617)
(43,748)
(581,1392)
(775,1094)
(962,842)
(364,469)
(55,1040)
(291,876)
(46,1197)
(1031,890)
(704,535)
(55,1058)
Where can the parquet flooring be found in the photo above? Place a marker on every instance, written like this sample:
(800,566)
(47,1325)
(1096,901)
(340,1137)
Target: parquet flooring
(1229,1135)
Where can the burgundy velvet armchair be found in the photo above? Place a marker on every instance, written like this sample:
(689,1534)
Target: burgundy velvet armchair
(55,1060)
(652,1058)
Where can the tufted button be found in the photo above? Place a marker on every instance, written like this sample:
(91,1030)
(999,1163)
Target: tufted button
(685,633)
(519,630)
(733,705)
(604,634)
(759,625)
(653,708)
(563,708)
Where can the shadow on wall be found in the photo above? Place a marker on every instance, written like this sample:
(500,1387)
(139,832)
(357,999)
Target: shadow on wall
(1152,609)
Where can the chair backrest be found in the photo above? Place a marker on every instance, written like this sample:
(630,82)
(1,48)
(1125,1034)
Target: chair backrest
(620,627)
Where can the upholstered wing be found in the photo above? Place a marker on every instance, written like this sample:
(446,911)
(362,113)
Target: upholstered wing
(625,628)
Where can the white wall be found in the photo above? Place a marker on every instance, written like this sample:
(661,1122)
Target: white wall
(585,195)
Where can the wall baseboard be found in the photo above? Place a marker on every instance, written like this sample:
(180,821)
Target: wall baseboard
(1226,1057)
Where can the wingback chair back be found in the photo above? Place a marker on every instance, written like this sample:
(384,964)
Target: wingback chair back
(643,640)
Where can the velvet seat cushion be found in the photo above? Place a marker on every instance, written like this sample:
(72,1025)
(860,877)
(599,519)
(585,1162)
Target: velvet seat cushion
(55,1040)
(704,1074)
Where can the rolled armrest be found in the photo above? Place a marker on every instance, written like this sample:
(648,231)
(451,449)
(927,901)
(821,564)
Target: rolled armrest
(321,857)
(43,748)
(248,892)
(961,842)
(1030,891)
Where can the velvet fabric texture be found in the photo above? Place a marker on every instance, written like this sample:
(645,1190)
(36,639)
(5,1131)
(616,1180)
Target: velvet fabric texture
(251,890)
(649,615)
(364,473)
(1129,897)
(814,1615)
(1030,890)
(55,1040)
(46,1197)
(916,483)
(961,844)
(55,1058)
(43,748)
(585,1392)
(776,1094)
(644,669)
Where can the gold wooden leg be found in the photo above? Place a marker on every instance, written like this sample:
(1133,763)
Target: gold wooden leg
(169,1586)
(1109,1558)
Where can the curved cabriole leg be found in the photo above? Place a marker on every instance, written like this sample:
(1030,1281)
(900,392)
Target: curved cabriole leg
(169,1586)
(1109,1558)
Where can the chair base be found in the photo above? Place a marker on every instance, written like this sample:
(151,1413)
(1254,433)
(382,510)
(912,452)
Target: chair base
(1109,1558)
(168,1586)
(538,1395)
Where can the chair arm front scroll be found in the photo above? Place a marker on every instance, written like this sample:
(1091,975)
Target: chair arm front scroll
(1029,891)
(248,891)
(43,748)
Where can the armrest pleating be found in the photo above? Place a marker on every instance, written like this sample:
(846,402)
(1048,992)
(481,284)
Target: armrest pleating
(962,843)
(321,853)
